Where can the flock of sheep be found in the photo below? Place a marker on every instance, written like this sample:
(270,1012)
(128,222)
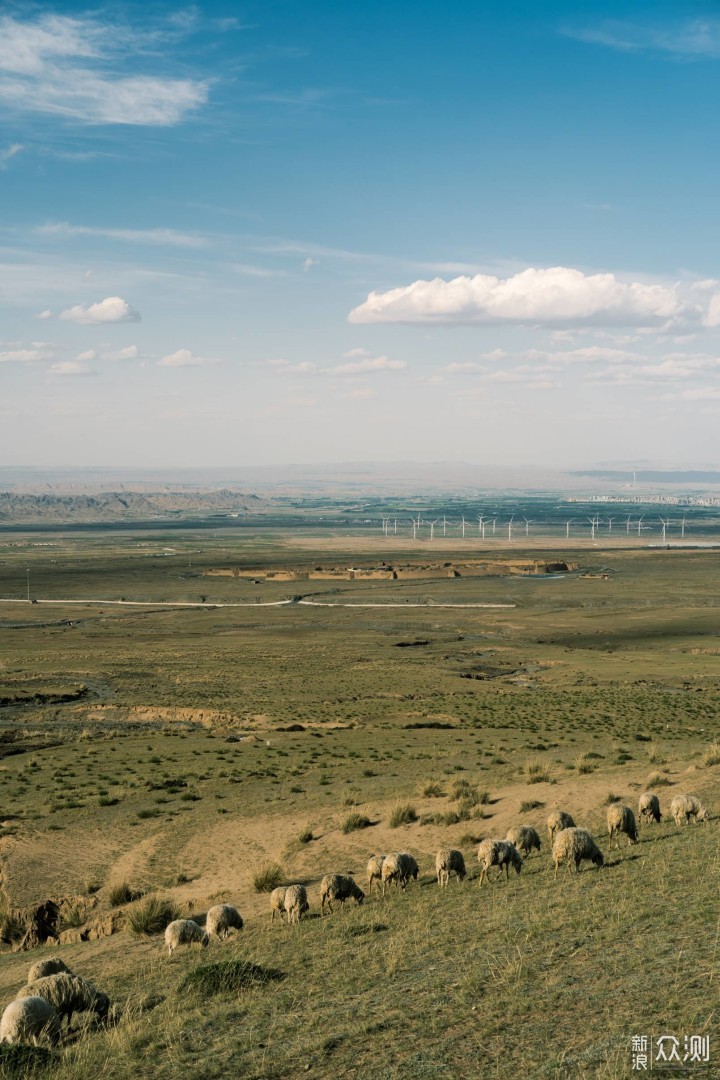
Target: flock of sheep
(53,993)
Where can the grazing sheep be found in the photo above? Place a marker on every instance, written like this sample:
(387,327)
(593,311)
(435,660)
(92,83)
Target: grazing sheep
(498,853)
(649,807)
(221,919)
(52,966)
(296,902)
(525,838)
(449,861)
(574,845)
(558,821)
(398,869)
(338,887)
(374,870)
(183,932)
(685,808)
(67,994)
(28,1020)
(277,902)
(620,819)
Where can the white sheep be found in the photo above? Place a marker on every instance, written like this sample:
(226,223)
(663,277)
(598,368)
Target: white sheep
(296,902)
(574,845)
(620,819)
(183,932)
(221,919)
(277,902)
(686,808)
(28,1020)
(498,853)
(338,887)
(525,838)
(559,820)
(649,807)
(449,861)
(53,965)
(397,869)
(374,870)
(68,994)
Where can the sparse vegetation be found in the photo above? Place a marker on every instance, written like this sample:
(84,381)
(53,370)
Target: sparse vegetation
(268,877)
(403,814)
(151,916)
(536,773)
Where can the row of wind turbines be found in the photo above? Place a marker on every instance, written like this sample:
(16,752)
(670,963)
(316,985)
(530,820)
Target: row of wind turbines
(390,526)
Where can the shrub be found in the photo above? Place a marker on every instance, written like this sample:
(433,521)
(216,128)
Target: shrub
(152,916)
(530,804)
(463,789)
(74,916)
(583,765)
(658,780)
(469,839)
(712,754)
(123,894)
(306,835)
(11,927)
(610,799)
(268,877)
(431,789)
(536,773)
(227,977)
(107,800)
(355,821)
(402,814)
(21,1060)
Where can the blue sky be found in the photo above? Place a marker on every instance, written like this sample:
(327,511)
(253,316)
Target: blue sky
(282,232)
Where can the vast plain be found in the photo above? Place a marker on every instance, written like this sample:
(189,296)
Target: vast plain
(200,751)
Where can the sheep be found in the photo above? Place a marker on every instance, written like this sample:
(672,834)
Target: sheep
(685,808)
(68,994)
(183,932)
(574,845)
(498,853)
(27,1020)
(338,887)
(52,966)
(221,919)
(525,838)
(620,819)
(295,902)
(398,869)
(449,861)
(374,870)
(277,902)
(559,820)
(649,807)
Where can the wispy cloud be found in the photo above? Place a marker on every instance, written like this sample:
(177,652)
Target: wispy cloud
(24,355)
(184,358)
(113,309)
(9,153)
(165,237)
(70,368)
(691,38)
(76,68)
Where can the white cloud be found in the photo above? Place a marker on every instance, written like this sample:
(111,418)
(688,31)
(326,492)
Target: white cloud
(7,155)
(88,355)
(72,67)
(130,352)
(24,355)
(701,393)
(169,237)
(693,38)
(308,264)
(556,296)
(70,368)
(113,309)
(46,314)
(366,365)
(183,358)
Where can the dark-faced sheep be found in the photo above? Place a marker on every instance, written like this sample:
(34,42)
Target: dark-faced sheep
(68,994)
(525,839)
(500,853)
(620,819)
(649,807)
(51,965)
(559,820)
(339,887)
(221,919)
(572,846)
(449,861)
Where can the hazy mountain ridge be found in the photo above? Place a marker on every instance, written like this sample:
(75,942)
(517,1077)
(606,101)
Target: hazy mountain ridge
(114,506)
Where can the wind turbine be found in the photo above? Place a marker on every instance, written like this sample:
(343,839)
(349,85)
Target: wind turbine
(527,525)
(682,529)
(640,520)
(463,526)
(444,524)
(567,528)
(414,527)
(627,529)
(510,527)
(610,521)
(432,527)
(396,526)
(593,523)
(664,527)
(494,520)
(481,526)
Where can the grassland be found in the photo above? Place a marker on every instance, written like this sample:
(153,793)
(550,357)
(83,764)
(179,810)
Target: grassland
(179,751)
